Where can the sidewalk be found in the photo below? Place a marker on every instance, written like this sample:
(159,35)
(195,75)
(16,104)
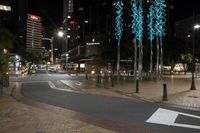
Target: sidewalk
(178,87)
(16,117)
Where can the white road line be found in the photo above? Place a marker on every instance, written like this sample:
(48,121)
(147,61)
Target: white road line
(78,83)
(33,81)
(168,117)
(54,87)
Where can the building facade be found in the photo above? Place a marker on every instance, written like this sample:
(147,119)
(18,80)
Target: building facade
(34,32)
(185,32)
(13,17)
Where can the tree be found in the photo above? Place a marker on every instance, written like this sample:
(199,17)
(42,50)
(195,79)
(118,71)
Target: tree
(6,38)
(6,41)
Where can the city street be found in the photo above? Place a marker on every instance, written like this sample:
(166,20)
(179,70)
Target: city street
(156,118)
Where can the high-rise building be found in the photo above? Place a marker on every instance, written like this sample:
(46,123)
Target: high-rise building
(185,33)
(33,32)
(13,17)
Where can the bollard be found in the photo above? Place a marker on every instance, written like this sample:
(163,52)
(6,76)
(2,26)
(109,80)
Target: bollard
(7,81)
(137,85)
(98,79)
(112,80)
(165,92)
(86,76)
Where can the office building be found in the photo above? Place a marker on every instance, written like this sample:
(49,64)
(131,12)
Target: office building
(33,32)
(13,17)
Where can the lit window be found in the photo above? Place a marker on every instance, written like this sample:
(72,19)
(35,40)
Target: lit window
(5,8)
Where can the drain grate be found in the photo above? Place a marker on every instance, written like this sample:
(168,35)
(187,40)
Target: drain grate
(193,96)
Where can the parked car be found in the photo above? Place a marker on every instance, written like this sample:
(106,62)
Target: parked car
(52,69)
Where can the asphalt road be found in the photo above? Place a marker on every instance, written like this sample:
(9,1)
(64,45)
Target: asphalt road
(116,109)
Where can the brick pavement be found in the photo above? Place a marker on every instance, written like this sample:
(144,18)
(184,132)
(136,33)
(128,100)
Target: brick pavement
(16,117)
(22,115)
(179,93)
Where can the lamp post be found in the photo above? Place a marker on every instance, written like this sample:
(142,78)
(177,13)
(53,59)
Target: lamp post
(193,87)
(67,57)
(60,34)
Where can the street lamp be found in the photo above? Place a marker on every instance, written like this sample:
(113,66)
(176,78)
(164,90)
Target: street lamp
(193,87)
(60,33)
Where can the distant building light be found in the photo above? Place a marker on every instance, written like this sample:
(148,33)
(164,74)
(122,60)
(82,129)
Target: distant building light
(188,36)
(86,21)
(196,26)
(68,29)
(5,8)
(60,33)
(16,57)
(68,36)
(5,51)
(81,9)
(93,40)
(82,65)
(68,17)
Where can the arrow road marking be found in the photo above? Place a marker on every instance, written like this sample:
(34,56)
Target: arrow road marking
(168,117)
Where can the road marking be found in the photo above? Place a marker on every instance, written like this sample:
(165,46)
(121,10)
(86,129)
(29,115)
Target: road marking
(49,74)
(78,83)
(168,117)
(64,82)
(60,89)
(33,81)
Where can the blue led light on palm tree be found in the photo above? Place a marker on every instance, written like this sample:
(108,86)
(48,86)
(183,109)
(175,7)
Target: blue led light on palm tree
(160,17)
(151,16)
(134,16)
(137,19)
(118,20)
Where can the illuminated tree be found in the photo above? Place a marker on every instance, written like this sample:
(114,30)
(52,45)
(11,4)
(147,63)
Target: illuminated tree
(151,32)
(137,29)
(134,30)
(118,29)
(160,33)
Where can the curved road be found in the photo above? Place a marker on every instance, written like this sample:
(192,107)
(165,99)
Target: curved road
(116,109)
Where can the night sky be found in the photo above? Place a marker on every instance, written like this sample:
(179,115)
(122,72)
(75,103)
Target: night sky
(51,10)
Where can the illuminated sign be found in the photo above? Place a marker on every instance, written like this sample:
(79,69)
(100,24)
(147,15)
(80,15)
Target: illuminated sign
(5,8)
(33,17)
(93,43)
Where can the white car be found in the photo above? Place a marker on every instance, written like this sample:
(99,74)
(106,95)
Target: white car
(52,69)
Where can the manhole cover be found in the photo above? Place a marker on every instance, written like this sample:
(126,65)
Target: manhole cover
(193,96)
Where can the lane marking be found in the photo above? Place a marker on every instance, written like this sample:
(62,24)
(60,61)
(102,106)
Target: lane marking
(33,82)
(78,83)
(168,117)
(51,84)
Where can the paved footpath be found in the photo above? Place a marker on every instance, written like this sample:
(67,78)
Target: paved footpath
(16,117)
(178,88)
